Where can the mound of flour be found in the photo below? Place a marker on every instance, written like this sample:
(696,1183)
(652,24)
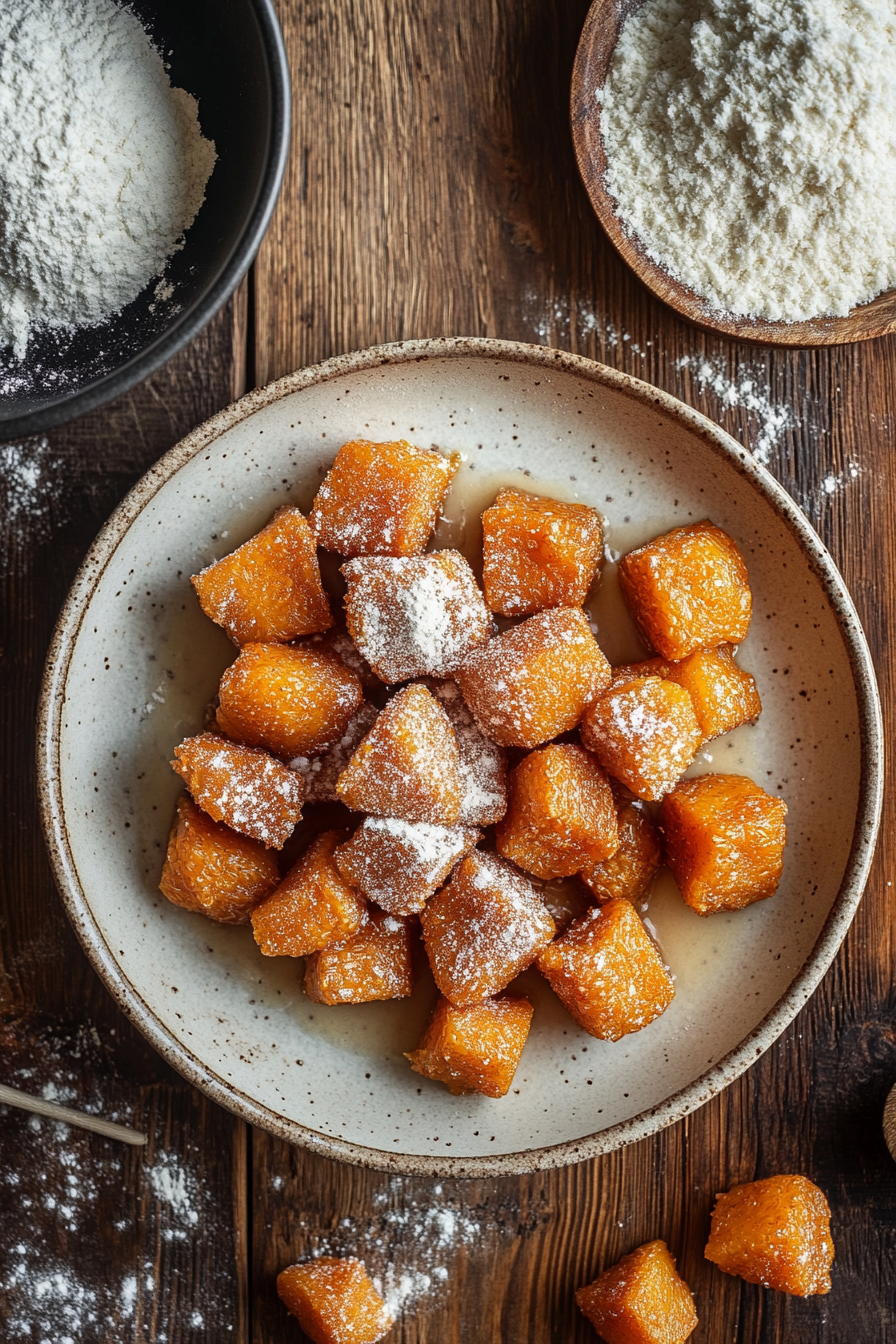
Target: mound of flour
(752,149)
(102,164)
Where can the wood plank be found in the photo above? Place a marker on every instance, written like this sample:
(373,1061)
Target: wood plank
(98,1242)
(432,190)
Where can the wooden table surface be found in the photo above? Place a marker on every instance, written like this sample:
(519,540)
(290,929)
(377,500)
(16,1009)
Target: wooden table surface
(431,191)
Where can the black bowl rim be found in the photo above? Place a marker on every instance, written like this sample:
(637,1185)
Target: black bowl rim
(194,318)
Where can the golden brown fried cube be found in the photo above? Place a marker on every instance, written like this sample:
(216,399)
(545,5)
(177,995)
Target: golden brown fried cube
(399,864)
(408,764)
(561,813)
(724,839)
(211,869)
(312,907)
(334,1301)
(247,789)
(414,617)
(641,1300)
(481,930)
(291,700)
(776,1232)
(724,696)
(321,773)
(606,971)
(688,590)
(536,680)
(483,764)
(381,498)
(628,873)
(474,1049)
(644,733)
(375,963)
(269,590)
(538,553)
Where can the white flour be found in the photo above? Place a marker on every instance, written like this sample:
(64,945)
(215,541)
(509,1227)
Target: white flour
(102,164)
(752,149)
(746,389)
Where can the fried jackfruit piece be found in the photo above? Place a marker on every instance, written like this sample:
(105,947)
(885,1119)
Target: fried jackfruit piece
(408,764)
(312,907)
(644,733)
(247,789)
(538,553)
(607,972)
(687,590)
(334,1301)
(536,680)
(483,764)
(414,616)
(483,928)
(723,694)
(474,1049)
(374,963)
(561,814)
(641,1300)
(776,1232)
(212,870)
(381,498)
(399,864)
(291,700)
(724,839)
(628,873)
(268,590)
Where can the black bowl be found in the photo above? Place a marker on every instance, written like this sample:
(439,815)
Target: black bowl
(229,54)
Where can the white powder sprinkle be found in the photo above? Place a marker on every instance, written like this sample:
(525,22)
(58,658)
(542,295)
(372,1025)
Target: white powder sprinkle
(752,149)
(410,1250)
(32,490)
(745,389)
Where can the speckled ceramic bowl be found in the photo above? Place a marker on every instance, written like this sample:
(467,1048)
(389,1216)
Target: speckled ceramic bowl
(134,662)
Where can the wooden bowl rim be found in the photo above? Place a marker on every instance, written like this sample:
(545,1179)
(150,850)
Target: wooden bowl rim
(674,1107)
(869,320)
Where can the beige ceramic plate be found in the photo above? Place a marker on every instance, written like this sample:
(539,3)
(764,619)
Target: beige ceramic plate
(134,662)
(595,51)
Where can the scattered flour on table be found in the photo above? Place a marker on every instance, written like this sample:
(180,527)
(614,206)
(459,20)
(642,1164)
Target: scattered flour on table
(52,1290)
(32,486)
(746,390)
(751,148)
(409,1251)
(103,165)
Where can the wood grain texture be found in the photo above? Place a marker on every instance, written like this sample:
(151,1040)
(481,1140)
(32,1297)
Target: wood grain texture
(93,1245)
(592,64)
(433,190)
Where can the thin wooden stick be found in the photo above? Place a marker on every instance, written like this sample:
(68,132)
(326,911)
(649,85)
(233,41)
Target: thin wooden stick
(11,1096)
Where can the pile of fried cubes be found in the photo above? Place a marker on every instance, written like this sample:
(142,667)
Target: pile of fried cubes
(487,747)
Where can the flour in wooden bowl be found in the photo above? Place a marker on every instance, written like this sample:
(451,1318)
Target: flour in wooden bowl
(751,149)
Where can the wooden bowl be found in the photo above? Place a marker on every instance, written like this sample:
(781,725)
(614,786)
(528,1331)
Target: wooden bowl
(592,64)
(134,663)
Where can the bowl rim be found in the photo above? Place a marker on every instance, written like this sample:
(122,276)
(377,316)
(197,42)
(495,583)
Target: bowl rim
(188,324)
(681,1103)
(868,320)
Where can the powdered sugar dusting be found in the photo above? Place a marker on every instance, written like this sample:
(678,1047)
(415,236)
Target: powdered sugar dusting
(399,864)
(414,616)
(483,764)
(484,928)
